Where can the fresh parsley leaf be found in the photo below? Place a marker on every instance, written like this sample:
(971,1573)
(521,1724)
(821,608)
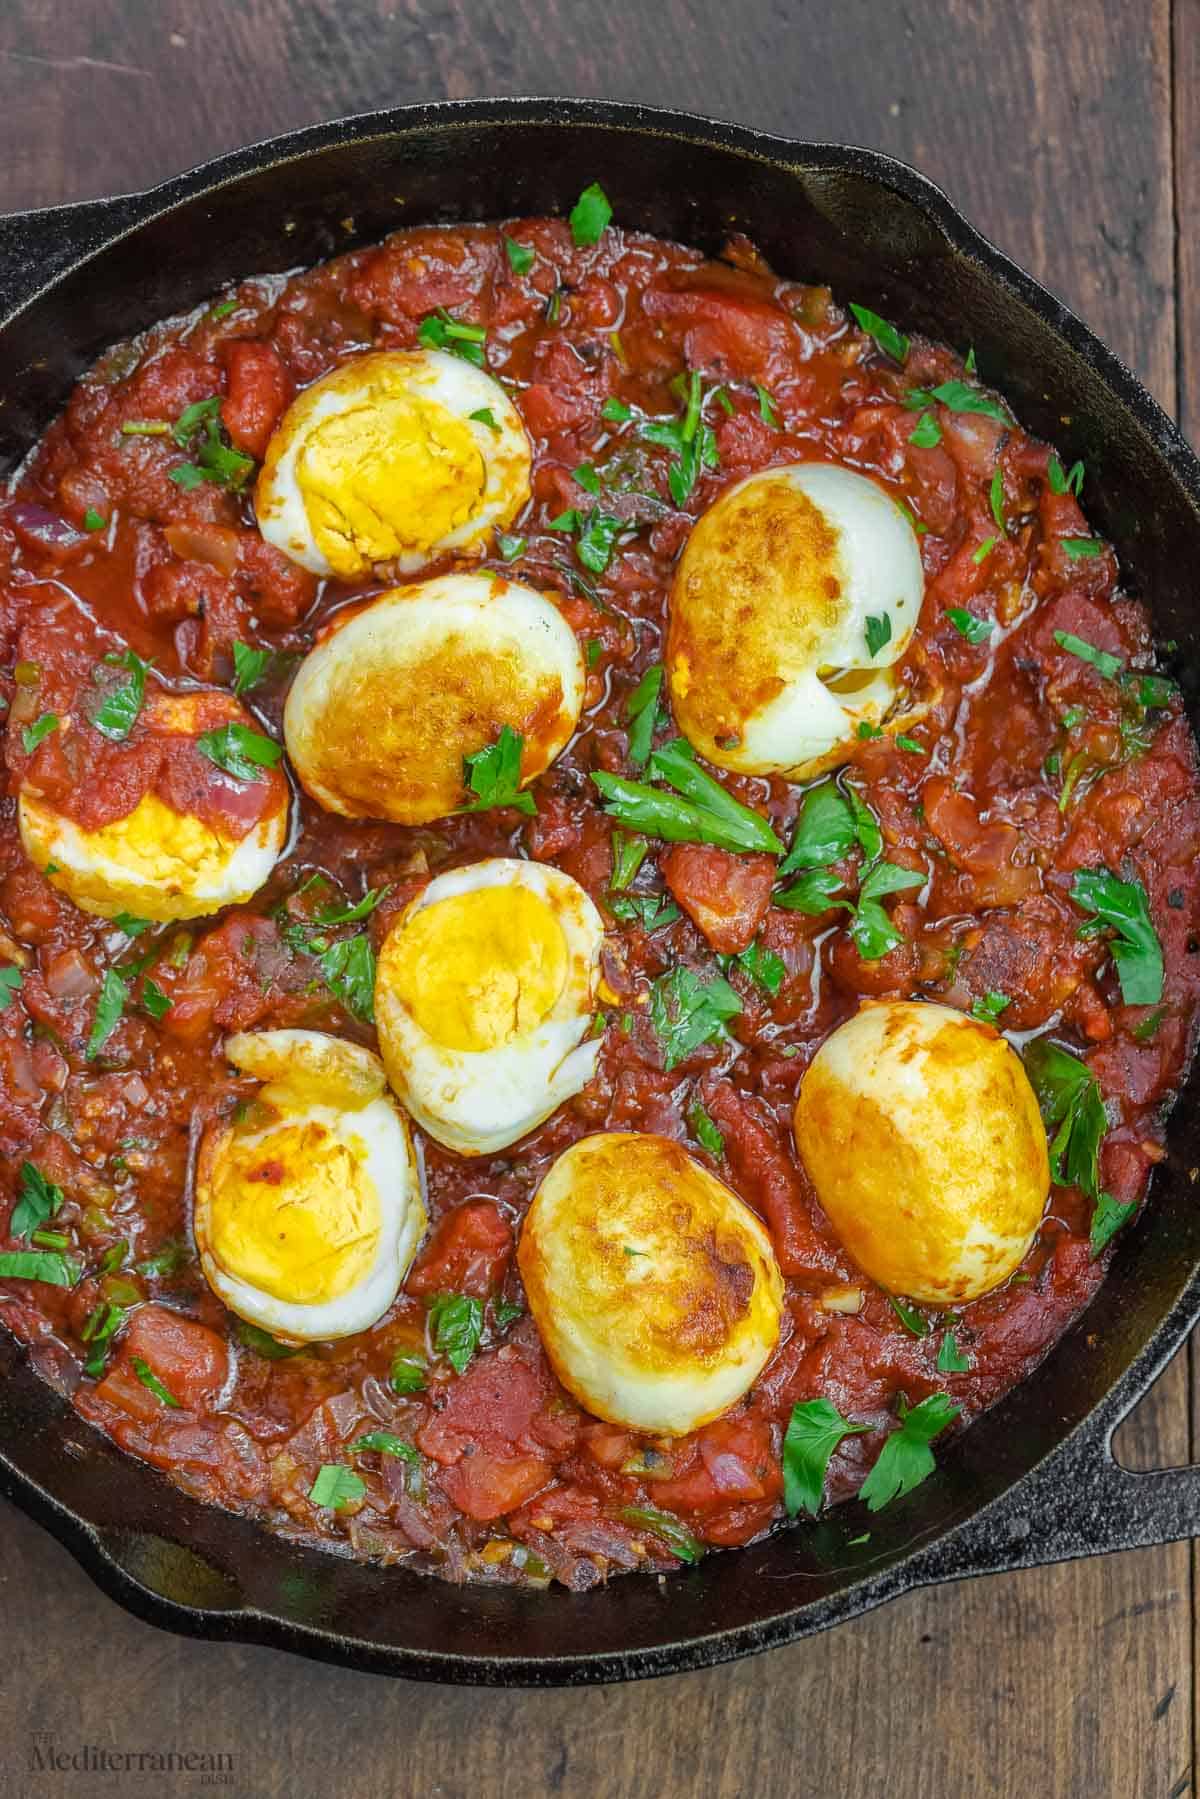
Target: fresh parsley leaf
(815,1429)
(906,1458)
(249,666)
(913,1320)
(910,744)
(705,813)
(691,440)
(10,983)
(950,1359)
(407,1374)
(641,709)
(37,1200)
(199,430)
(337,1487)
(893,343)
(687,1011)
(1136,951)
(39,1265)
(988,1009)
(264,1344)
(926,433)
(38,732)
(675,762)
(980,555)
(354,914)
(520,256)
(109,1007)
(1145,1031)
(813,893)
(438,331)
(650,910)
(872,930)
(664,1525)
(766,407)
(764,967)
(593,651)
(589,215)
(866,825)
(1071,482)
(493,775)
(878,632)
(958,396)
(154,1000)
(222,310)
(1109,666)
(93,521)
(1107,1218)
(975,630)
(996,498)
(99,1328)
(348,969)
(824,830)
(510,547)
(596,536)
(385,1442)
(628,854)
(615,412)
(704,1129)
(456,1322)
(587,478)
(117,714)
(1080,549)
(239,751)
(483,415)
(132,927)
(1069,1096)
(866,730)
(151,1382)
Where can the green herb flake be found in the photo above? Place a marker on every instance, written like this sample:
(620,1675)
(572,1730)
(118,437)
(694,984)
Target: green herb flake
(111,1004)
(520,257)
(1107,1218)
(704,1129)
(878,632)
(93,520)
(1108,665)
(593,651)
(249,666)
(815,1429)
(975,630)
(154,1000)
(510,547)
(615,412)
(263,1344)
(911,745)
(10,983)
(988,1009)
(222,311)
(407,1374)
(652,911)
(996,498)
(1070,1099)
(589,216)
(950,1359)
(926,433)
(199,430)
(239,751)
(664,1525)
(1136,950)
(867,731)
(456,1325)
(812,894)
(628,854)
(960,396)
(824,829)
(337,1487)
(906,1458)
(1071,482)
(641,709)
(38,732)
(766,407)
(725,823)
(119,710)
(913,1320)
(385,1442)
(38,1199)
(439,331)
(348,970)
(483,415)
(1080,549)
(493,775)
(764,967)
(984,550)
(152,1384)
(872,930)
(692,442)
(893,343)
(687,1011)
(39,1265)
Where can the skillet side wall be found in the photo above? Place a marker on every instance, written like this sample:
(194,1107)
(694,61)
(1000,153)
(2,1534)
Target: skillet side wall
(876,233)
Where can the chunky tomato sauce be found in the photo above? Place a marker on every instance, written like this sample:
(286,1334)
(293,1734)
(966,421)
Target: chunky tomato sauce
(1035,766)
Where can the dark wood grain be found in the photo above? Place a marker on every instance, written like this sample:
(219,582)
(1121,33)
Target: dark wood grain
(1053,128)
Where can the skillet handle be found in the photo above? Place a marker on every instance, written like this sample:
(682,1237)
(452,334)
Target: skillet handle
(36,247)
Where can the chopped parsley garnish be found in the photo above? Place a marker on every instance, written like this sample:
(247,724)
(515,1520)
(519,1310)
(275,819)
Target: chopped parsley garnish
(438,331)
(988,1009)
(595,534)
(980,555)
(913,1320)
(151,1382)
(1107,1219)
(222,311)
(38,732)
(1071,482)
(510,547)
(249,666)
(866,730)
(456,1325)
(493,775)
(520,256)
(264,1344)
(1109,666)
(407,1374)
(337,1487)
(704,1129)
(385,1442)
(10,983)
(704,814)
(1148,1028)
(825,830)
(239,751)
(354,914)
(1079,549)
(975,630)
(766,407)
(587,478)
(950,1359)
(911,745)
(815,1429)
(957,396)
(39,1265)
(37,1200)
(504,1311)
(93,520)
(99,1328)
(871,928)
(109,1007)
(118,712)
(483,415)
(906,1458)
(926,433)
(650,910)
(878,631)
(687,1011)
(813,893)
(348,969)
(691,440)
(669,1529)
(1069,1096)
(893,343)
(593,651)
(131,926)
(1136,949)
(199,430)
(589,215)
(996,498)
(641,709)
(615,412)
(764,967)
(154,1000)
(628,854)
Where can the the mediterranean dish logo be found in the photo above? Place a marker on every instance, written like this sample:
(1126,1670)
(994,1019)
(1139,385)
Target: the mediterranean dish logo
(207,1767)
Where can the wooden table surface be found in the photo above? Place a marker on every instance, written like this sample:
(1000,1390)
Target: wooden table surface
(1069,133)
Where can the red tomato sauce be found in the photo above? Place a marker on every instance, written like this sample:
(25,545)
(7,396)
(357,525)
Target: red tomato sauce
(101,551)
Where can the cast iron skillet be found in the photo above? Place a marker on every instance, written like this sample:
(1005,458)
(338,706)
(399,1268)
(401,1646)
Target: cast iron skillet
(1032,1482)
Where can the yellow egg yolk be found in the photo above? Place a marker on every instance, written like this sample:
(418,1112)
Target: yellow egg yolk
(154,845)
(295,1213)
(479,968)
(386,477)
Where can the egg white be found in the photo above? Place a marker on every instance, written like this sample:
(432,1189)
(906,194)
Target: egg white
(313,1080)
(438,383)
(479,1101)
(923,1138)
(768,662)
(386,707)
(654,1288)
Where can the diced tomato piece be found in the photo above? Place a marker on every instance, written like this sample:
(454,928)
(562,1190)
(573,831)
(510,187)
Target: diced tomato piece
(486,1486)
(191,1361)
(726,896)
(495,1403)
(469,1252)
(259,389)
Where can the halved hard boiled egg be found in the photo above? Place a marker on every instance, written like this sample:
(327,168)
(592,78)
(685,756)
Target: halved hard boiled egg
(384,711)
(166,858)
(391,459)
(797,592)
(308,1207)
(483,998)
(654,1289)
(922,1136)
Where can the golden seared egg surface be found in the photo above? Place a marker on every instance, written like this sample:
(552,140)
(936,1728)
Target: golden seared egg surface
(393,458)
(654,1289)
(308,1208)
(157,862)
(797,592)
(922,1136)
(385,709)
(484,996)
